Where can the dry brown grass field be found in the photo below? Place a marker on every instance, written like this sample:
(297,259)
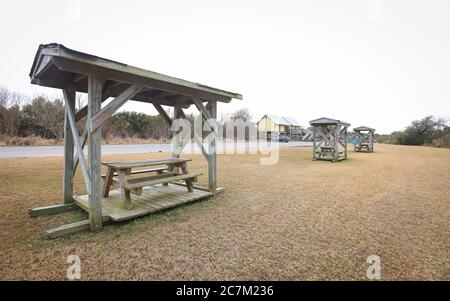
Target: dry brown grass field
(295,220)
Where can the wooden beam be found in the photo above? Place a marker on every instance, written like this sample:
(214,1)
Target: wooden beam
(67,229)
(107,93)
(53,209)
(199,142)
(79,149)
(95,197)
(346,141)
(337,131)
(70,93)
(83,139)
(314,143)
(199,139)
(106,113)
(182,115)
(72,228)
(163,114)
(201,108)
(176,114)
(79,77)
(212,158)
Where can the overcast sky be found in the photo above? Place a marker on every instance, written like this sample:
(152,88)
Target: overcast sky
(368,62)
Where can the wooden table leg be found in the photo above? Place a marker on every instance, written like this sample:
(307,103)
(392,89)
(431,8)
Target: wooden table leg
(108,181)
(171,168)
(189,185)
(126,196)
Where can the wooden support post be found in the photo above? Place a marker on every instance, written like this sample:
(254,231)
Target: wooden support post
(102,116)
(126,196)
(80,155)
(105,95)
(345,142)
(189,182)
(336,143)
(212,157)
(95,197)
(371,141)
(70,94)
(176,114)
(314,143)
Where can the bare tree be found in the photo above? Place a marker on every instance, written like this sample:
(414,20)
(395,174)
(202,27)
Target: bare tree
(10,103)
(80,101)
(47,114)
(4,95)
(243,114)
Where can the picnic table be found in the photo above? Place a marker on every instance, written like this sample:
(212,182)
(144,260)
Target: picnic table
(163,171)
(327,149)
(362,146)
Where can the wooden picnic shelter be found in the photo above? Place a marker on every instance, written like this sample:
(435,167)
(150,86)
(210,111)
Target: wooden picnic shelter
(162,183)
(364,136)
(329,139)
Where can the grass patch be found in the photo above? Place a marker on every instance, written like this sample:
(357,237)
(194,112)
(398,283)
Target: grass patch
(295,220)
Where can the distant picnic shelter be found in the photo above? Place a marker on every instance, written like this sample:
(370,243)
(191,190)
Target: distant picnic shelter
(329,139)
(72,71)
(365,139)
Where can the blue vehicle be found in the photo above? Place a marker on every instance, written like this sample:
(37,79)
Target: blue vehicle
(283,139)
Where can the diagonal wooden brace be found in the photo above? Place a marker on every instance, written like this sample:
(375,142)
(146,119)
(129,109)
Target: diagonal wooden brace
(102,116)
(79,149)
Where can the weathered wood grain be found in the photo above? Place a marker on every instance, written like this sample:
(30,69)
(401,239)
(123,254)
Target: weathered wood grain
(70,94)
(102,116)
(52,209)
(191,176)
(95,197)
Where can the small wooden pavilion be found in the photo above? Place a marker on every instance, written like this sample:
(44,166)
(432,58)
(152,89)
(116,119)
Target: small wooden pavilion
(59,67)
(329,139)
(364,136)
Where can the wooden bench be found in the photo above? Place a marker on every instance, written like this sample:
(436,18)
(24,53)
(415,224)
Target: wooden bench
(162,173)
(190,178)
(137,172)
(327,149)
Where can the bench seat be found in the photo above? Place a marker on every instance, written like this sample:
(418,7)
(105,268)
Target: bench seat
(137,172)
(190,177)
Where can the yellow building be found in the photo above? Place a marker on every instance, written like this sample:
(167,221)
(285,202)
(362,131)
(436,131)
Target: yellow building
(274,126)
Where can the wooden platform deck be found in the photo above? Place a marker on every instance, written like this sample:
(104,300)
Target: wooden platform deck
(152,199)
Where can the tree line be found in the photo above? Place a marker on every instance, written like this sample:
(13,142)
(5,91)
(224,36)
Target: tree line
(43,116)
(430,130)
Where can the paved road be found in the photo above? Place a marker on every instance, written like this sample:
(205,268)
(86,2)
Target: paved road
(57,151)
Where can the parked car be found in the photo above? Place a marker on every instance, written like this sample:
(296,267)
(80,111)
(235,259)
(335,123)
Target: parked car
(283,139)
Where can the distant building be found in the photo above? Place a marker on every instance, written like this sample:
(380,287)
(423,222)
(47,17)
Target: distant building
(274,126)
